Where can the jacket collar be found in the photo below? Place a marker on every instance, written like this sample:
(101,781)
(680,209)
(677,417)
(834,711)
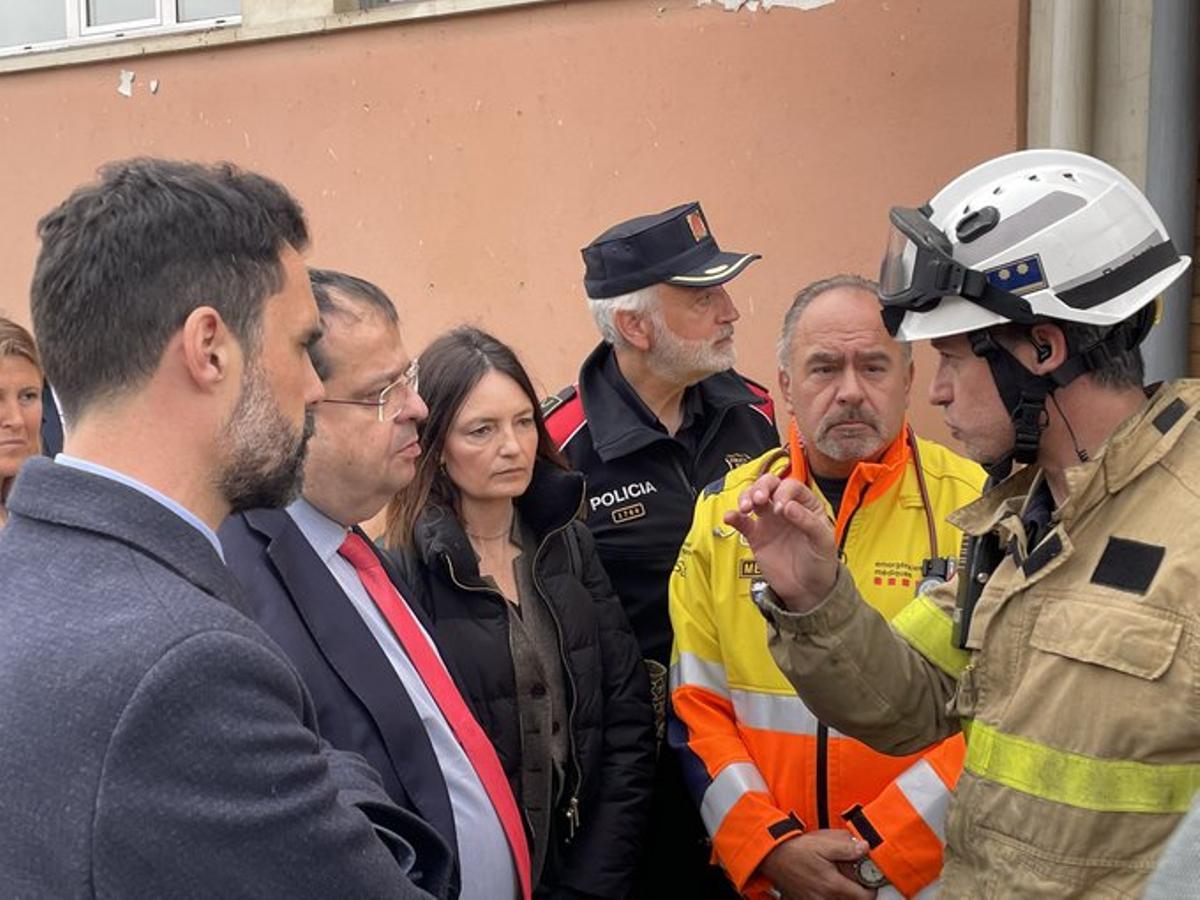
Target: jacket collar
(73,498)
(619,420)
(869,480)
(293,553)
(1139,443)
(554,497)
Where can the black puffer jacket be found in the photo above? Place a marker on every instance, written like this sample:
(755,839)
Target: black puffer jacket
(611,759)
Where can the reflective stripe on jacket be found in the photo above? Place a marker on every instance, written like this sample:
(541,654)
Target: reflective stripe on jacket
(759,763)
(1078,691)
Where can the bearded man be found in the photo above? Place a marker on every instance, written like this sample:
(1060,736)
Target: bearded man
(779,790)
(658,413)
(153,741)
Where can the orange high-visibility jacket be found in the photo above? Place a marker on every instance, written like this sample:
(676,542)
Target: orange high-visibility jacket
(758,762)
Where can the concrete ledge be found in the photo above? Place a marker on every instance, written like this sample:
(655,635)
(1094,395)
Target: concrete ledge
(177,41)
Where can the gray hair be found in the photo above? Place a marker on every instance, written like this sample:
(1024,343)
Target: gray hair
(803,300)
(605,310)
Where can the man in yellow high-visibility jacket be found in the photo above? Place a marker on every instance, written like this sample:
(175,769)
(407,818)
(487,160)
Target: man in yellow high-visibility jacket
(1066,652)
(772,782)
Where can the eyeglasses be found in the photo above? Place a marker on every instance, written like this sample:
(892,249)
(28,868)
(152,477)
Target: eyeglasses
(392,398)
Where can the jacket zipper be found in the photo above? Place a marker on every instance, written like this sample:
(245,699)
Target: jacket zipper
(572,811)
(822,775)
(822,728)
(683,475)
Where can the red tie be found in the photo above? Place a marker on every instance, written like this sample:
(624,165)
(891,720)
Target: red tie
(433,672)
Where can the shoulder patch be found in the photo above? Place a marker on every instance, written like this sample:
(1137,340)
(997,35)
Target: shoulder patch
(564,415)
(1128,565)
(765,404)
(554,401)
(1166,419)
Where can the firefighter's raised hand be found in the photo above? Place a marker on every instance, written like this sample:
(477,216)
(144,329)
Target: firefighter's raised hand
(791,537)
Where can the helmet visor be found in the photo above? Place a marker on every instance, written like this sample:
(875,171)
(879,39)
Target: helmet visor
(918,269)
(896,271)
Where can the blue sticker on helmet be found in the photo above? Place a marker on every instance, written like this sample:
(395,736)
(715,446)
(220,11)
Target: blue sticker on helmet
(1020,276)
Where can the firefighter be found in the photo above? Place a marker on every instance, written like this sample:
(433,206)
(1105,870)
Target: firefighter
(1066,648)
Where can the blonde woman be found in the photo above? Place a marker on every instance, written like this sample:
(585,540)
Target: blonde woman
(20,404)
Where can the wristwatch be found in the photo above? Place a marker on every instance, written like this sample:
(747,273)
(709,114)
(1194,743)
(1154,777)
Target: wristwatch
(868,874)
(762,595)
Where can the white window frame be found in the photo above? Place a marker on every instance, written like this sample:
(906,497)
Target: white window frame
(81,34)
(77,25)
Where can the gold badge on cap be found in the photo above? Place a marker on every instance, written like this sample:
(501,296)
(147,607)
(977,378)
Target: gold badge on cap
(696,223)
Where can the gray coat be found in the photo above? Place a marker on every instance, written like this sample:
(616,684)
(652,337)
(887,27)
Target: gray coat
(153,741)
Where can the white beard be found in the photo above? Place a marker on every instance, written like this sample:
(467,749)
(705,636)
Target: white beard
(684,361)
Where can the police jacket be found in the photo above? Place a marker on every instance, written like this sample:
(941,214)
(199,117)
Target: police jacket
(1077,692)
(760,765)
(604,803)
(642,482)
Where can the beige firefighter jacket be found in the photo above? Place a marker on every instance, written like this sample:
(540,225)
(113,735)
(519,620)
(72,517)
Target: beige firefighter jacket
(1079,694)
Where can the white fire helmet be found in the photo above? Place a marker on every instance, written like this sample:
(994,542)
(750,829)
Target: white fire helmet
(1030,236)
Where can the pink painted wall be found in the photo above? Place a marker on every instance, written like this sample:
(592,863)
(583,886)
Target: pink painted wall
(462,162)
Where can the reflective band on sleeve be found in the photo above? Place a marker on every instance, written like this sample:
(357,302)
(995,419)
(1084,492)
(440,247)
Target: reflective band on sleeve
(1087,782)
(774,712)
(927,794)
(690,669)
(726,789)
(930,632)
(783,713)
(889,892)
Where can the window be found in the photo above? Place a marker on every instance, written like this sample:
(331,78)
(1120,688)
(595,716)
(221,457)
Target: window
(29,25)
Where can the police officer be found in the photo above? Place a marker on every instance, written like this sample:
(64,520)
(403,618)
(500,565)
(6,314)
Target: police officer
(658,413)
(1066,651)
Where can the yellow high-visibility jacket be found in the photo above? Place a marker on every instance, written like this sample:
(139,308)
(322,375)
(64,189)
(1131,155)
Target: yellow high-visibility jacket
(1079,690)
(758,762)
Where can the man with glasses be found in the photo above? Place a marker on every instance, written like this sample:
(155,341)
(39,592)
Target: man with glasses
(304,585)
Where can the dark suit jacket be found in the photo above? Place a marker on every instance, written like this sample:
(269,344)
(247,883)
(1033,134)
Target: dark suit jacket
(154,742)
(361,705)
(52,432)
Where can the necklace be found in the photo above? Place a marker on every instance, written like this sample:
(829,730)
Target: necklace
(488,537)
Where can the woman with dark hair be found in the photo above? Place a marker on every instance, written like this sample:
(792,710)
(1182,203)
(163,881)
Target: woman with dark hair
(524,616)
(20,404)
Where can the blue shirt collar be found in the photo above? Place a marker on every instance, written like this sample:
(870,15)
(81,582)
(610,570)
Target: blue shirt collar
(187,515)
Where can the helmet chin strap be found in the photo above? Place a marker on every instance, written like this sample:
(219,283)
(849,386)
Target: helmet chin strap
(1024,393)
